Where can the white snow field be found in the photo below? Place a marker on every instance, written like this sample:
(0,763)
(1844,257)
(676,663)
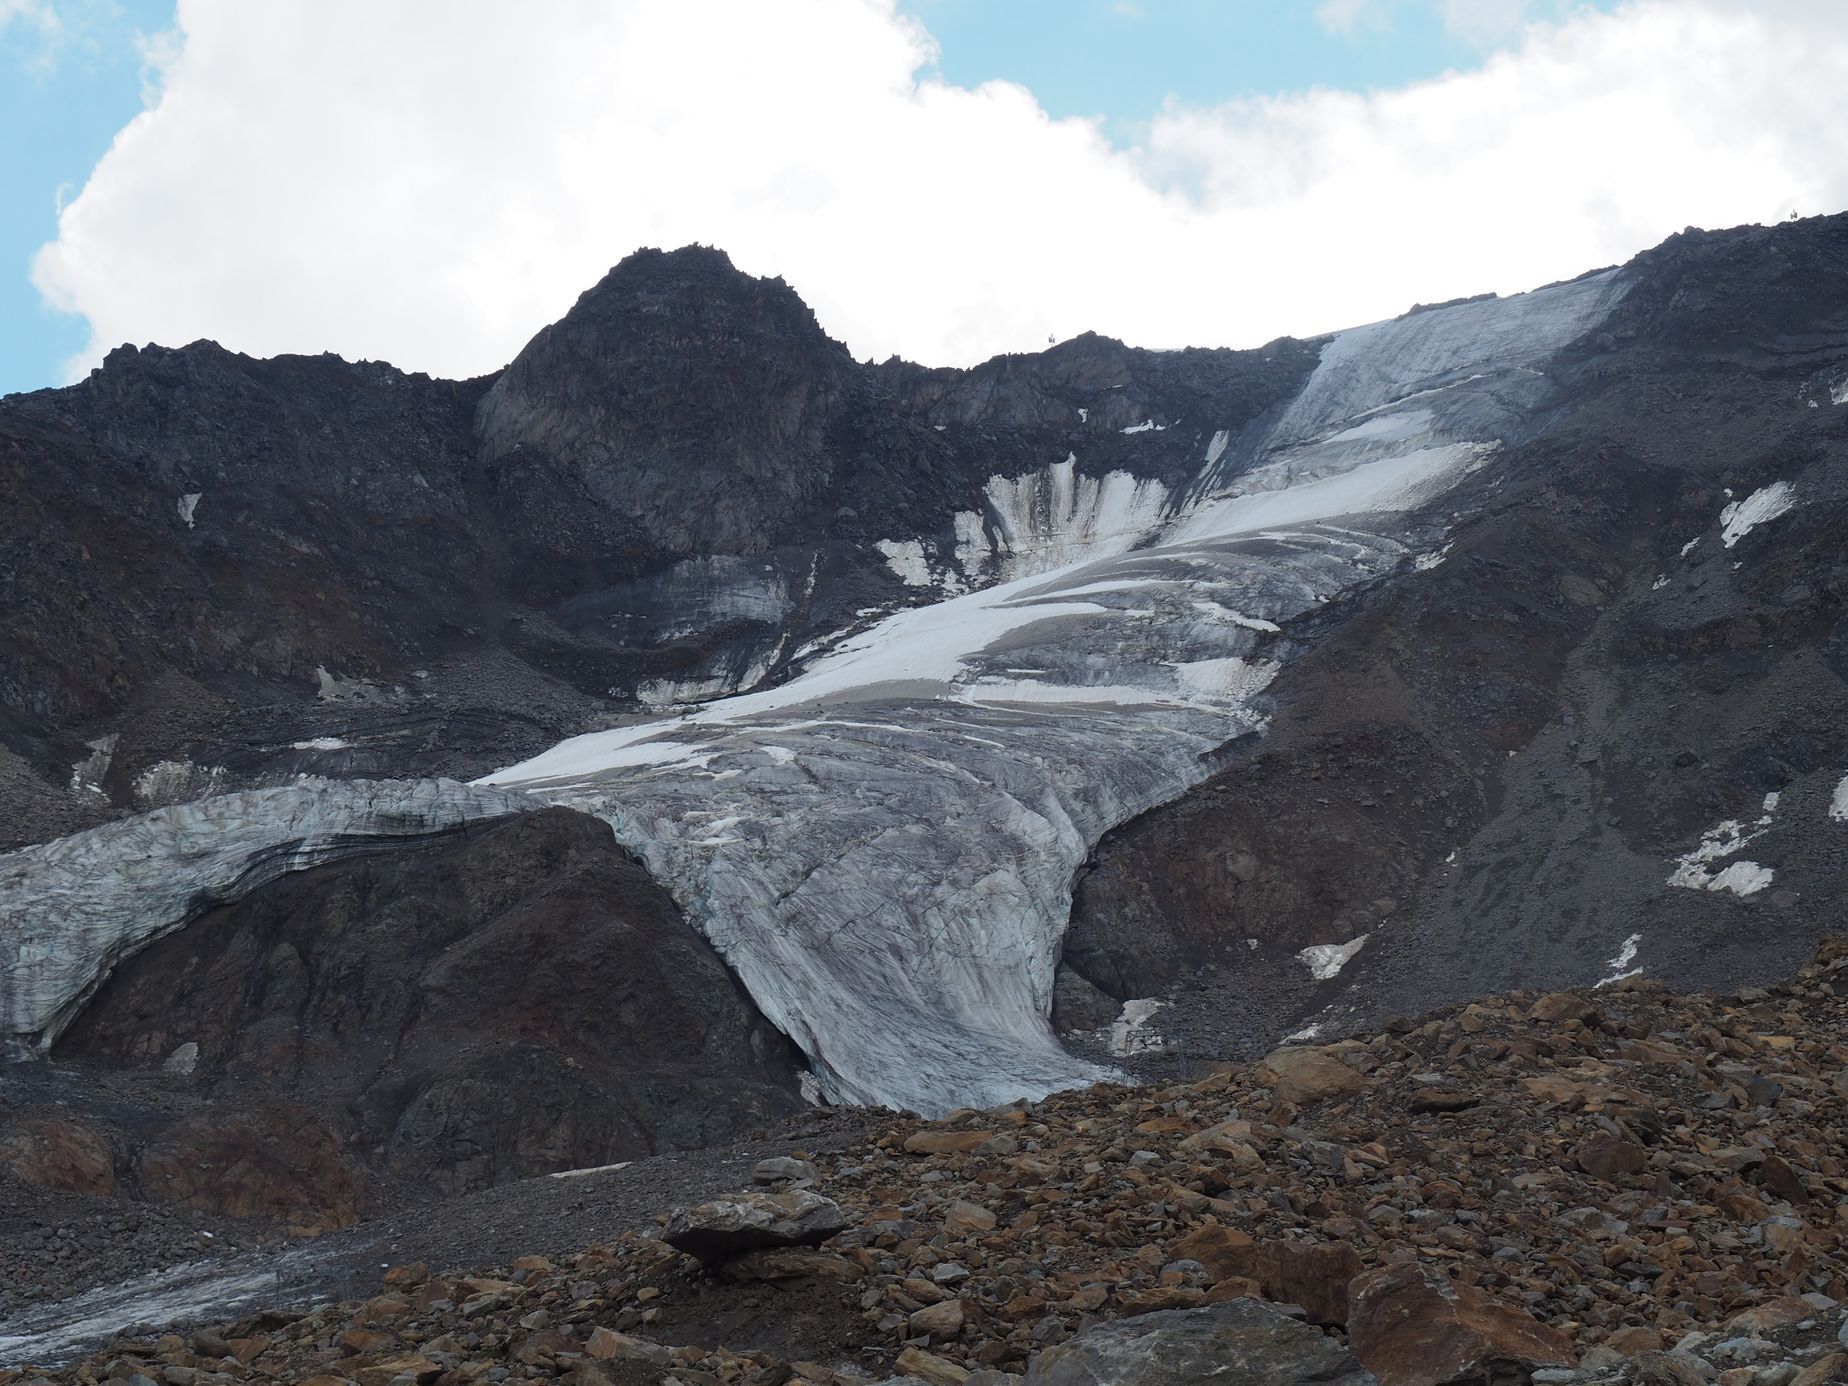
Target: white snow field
(883,848)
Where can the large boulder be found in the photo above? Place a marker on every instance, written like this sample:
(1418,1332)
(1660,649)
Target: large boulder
(1239,1343)
(1305,1077)
(1314,1275)
(275,1161)
(63,1155)
(1414,1326)
(727,1227)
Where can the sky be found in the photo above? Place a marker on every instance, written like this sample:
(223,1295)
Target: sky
(431,181)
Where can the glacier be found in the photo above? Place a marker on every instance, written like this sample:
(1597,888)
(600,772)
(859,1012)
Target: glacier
(883,847)
(71,908)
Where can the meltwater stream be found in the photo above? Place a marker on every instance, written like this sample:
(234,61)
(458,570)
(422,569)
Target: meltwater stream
(883,848)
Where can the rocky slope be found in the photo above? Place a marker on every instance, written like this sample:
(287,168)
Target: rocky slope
(1515,753)
(1499,645)
(1620,1184)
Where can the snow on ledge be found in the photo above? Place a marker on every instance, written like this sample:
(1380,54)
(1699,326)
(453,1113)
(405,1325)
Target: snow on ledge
(1767,503)
(1325,960)
(1838,806)
(1725,839)
(1620,964)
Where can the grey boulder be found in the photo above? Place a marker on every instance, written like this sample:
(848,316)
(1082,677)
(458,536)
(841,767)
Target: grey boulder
(1242,1342)
(729,1226)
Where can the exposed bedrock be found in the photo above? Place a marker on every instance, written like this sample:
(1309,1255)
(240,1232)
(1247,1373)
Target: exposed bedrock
(491,1006)
(73,908)
(1518,767)
(219,573)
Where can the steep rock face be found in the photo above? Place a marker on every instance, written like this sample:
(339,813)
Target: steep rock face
(71,909)
(1492,771)
(305,565)
(517,1001)
(695,401)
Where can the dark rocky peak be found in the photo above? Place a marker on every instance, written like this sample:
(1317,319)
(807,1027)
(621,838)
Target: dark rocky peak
(201,415)
(695,400)
(1092,383)
(1757,284)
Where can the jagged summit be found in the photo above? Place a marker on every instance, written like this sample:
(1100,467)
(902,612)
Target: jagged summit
(697,398)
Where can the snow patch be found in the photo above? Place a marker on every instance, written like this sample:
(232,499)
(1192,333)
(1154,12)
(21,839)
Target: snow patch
(1838,806)
(589,1170)
(1425,562)
(1767,503)
(1620,965)
(1688,547)
(1726,839)
(1325,960)
(322,743)
(1129,1032)
(1838,392)
(1146,426)
(1658,584)
(1742,878)
(906,558)
(188,504)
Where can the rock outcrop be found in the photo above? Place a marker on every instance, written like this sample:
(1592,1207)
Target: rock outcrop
(518,1000)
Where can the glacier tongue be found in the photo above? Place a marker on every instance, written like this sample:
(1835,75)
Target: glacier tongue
(71,909)
(902,823)
(884,847)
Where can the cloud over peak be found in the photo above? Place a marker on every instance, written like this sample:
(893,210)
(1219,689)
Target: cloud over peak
(430,182)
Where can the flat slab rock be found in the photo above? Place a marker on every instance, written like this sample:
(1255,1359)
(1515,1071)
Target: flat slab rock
(730,1226)
(1242,1342)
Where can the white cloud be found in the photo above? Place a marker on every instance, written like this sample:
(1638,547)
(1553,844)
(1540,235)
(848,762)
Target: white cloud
(430,181)
(1481,22)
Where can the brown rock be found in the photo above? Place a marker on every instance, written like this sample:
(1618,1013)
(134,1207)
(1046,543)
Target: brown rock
(791,1263)
(275,1162)
(1666,1369)
(606,1344)
(63,1155)
(1314,1275)
(365,1341)
(1563,1006)
(1604,1156)
(1411,1325)
(940,1321)
(1159,1298)
(966,1218)
(946,1142)
(1305,1077)
(1832,1368)
(928,1368)
(1776,1313)
(1220,1249)
(419,1369)
(413,1274)
(1630,1341)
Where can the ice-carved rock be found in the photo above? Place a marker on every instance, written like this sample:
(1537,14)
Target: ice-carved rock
(70,909)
